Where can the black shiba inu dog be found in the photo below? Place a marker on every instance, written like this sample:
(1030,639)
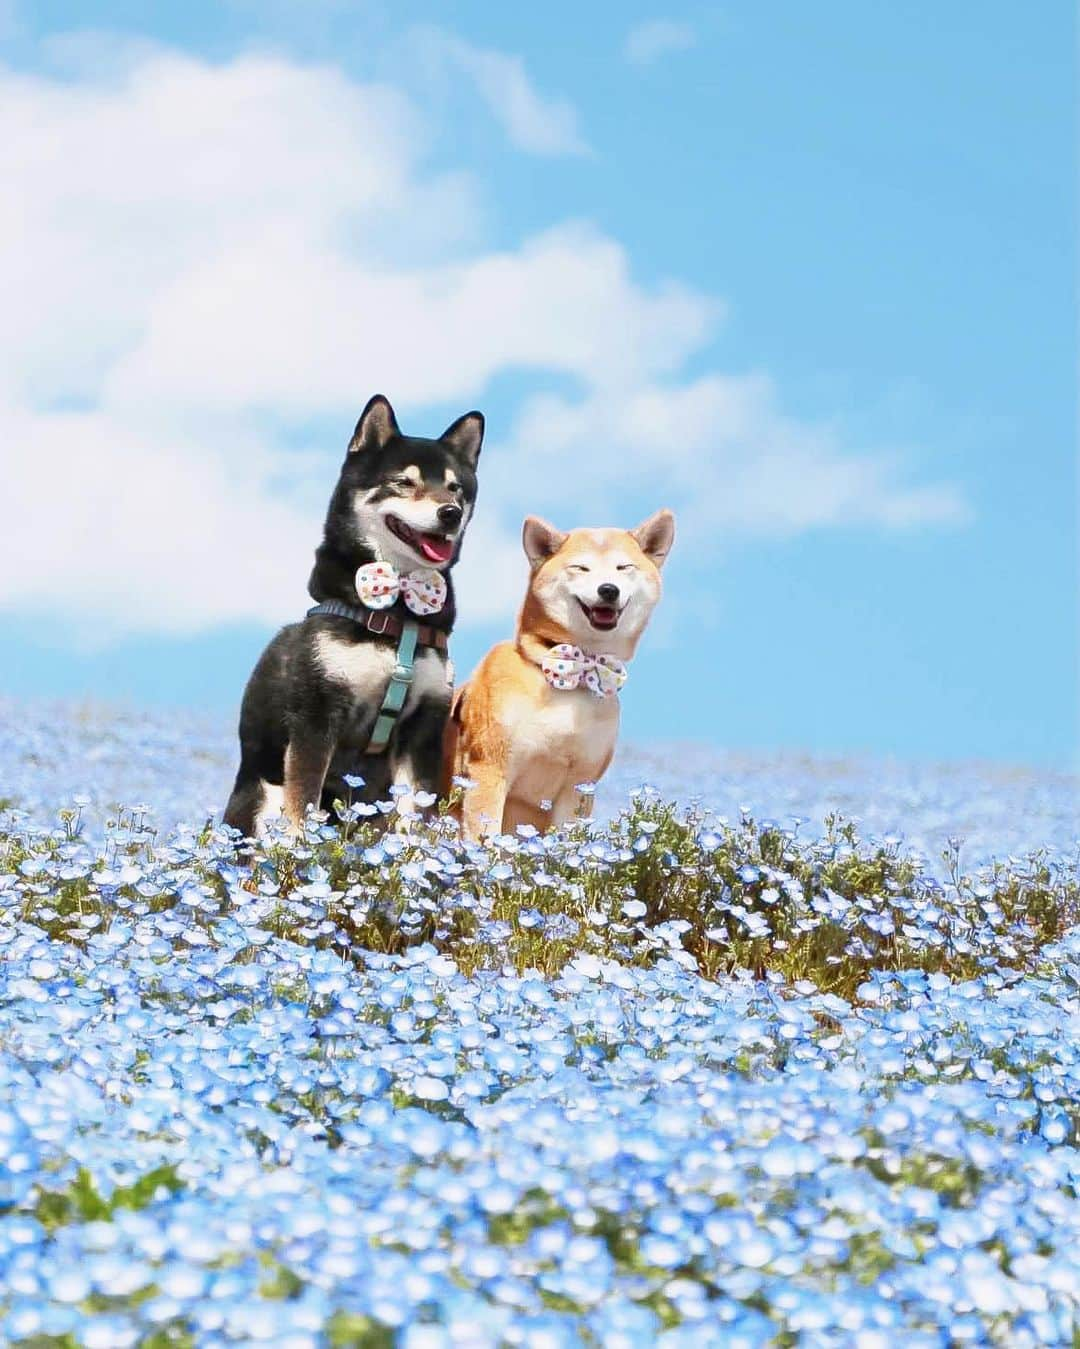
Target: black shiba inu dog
(317,693)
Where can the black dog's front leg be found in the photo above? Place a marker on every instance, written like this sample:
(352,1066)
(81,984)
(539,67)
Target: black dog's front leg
(417,752)
(307,760)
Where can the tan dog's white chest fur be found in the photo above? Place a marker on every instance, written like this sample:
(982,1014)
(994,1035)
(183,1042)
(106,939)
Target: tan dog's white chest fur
(557,741)
(524,744)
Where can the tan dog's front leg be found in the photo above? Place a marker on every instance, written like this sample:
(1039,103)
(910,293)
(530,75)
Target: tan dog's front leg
(570,804)
(485,801)
(307,759)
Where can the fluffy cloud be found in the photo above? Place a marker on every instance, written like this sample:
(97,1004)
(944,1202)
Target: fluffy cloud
(723,449)
(131,530)
(206,259)
(275,317)
(537,123)
(648,42)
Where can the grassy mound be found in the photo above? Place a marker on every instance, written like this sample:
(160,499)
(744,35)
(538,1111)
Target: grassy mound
(717,897)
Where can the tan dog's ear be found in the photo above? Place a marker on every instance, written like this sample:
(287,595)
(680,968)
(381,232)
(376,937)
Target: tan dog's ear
(656,535)
(540,540)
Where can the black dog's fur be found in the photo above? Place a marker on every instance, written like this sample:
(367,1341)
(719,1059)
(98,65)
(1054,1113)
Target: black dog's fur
(307,716)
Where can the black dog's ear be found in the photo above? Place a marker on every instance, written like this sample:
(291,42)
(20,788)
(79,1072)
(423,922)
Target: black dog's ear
(376,428)
(656,535)
(540,540)
(466,435)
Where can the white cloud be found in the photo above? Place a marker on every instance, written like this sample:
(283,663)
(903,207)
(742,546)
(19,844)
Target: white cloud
(206,257)
(536,123)
(721,449)
(146,531)
(648,42)
(274,317)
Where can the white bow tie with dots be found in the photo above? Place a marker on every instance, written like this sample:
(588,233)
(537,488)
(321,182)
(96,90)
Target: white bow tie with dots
(568,667)
(379,584)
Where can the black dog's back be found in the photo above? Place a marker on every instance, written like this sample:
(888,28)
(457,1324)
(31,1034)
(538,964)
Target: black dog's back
(263,733)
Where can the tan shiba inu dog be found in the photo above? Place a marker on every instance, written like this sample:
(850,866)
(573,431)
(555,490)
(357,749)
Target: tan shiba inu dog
(541,713)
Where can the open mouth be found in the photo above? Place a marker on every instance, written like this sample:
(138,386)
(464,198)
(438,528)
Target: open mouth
(432,547)
(601,616)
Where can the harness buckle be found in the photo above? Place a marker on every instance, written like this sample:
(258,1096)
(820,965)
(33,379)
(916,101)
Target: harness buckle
(384,616)
(402,674)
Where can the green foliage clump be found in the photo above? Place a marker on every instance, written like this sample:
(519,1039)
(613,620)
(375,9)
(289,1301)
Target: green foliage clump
(656,881)
(82,1202)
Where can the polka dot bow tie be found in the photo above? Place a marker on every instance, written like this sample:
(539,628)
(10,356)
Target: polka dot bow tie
(378,584)
(568,667)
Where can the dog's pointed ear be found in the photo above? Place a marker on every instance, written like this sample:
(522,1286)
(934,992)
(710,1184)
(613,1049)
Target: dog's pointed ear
(656,535)
(466,435)
(376,428)
(540,540)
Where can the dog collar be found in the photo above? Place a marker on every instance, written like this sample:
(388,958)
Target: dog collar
(381,623)
(380,584)
(567,667)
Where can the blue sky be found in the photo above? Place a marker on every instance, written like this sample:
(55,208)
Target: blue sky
(806,275)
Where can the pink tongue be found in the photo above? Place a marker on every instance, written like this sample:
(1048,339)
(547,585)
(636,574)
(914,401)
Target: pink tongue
(434,548)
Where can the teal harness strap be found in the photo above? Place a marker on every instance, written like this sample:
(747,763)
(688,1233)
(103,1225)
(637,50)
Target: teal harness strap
(396,691)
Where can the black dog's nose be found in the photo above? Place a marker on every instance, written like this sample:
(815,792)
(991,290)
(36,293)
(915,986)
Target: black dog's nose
(449,515)
(608,593)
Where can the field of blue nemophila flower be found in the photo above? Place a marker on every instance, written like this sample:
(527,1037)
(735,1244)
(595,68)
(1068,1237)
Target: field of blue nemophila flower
(729,1066)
